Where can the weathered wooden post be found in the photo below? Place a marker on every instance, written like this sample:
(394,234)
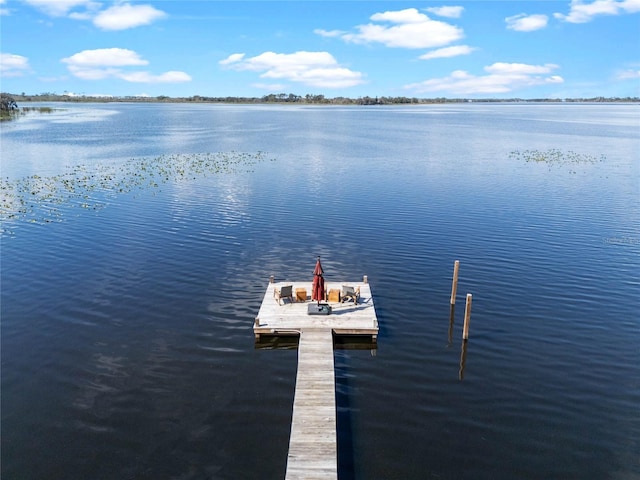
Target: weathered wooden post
(467,318)
(454,285)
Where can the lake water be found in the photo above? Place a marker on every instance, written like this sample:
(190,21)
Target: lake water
(128,303)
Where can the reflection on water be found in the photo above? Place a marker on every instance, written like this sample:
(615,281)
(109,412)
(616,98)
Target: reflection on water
(452,310)
(463,348)
(463,358)
(277,342)
(340,342)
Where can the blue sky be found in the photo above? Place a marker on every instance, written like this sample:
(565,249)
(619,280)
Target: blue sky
(471,49)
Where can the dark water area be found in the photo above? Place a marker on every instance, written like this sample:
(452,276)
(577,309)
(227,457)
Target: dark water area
(127,348)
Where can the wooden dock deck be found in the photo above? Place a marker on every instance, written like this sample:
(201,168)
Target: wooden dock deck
(313,452)
(345,319)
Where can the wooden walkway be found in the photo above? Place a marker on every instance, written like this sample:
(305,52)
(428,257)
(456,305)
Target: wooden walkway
(312,445)
(313,452)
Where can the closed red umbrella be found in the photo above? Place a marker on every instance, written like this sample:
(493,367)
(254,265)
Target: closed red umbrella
(317,287)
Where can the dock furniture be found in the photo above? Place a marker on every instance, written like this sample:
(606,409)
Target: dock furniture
(313,452)
(350,293)
(333,296)
(301,294)
(283,292)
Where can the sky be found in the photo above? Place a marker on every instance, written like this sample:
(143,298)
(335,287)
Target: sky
(423,49)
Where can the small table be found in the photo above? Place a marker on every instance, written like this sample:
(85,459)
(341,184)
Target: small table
(334,295)
(301,294)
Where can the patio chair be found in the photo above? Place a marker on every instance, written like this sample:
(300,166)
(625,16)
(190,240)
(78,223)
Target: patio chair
(350,293)
(283,292)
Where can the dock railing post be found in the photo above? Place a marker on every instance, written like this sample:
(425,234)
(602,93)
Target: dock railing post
(467,318)
(454,285)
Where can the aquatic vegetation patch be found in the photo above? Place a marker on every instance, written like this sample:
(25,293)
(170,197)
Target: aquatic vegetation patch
(39,109)
(12,114)
(37,199)
(554,156)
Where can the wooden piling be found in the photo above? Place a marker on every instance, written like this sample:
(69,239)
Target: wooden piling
(467,318)
(454,285)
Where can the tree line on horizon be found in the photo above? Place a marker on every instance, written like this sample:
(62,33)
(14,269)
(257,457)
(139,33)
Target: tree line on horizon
(9,101)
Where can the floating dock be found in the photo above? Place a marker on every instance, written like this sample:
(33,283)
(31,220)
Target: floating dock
(313,452)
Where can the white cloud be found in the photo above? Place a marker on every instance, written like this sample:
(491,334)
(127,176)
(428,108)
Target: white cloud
(629,74)
(328,33)
(145,77)
(526,23)
(13,65)
(105,57)
(408,15)
(124,16)
(449,12)
(581,12)
(4,11)
(285,62)
(501,78)
(315,69)
(447,52)
(405,29)
(108,62)
(236,57)
(519,68)
(92,73)
(120,16)
(59,8)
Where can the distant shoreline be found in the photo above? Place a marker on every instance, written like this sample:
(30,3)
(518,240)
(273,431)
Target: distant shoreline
(291,99)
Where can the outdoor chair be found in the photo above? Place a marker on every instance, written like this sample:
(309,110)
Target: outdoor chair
(283,292)
(350,293)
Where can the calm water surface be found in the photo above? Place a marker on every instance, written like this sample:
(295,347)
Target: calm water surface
(127,343)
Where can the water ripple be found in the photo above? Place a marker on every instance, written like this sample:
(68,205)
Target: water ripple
(127,343)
